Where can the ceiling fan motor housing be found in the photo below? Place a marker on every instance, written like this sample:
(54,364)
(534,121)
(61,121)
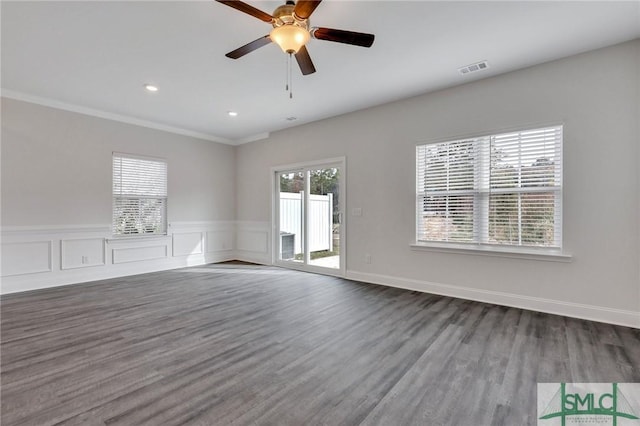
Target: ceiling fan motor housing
(284,15)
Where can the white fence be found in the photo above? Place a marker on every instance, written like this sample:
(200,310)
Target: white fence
(320,220)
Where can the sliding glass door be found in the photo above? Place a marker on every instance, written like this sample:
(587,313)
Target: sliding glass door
(308,217)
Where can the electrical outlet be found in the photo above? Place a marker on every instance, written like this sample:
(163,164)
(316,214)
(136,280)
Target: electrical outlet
(356,211)
(367,258)
(85,259)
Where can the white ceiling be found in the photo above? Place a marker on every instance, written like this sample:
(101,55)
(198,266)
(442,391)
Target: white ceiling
(95,56)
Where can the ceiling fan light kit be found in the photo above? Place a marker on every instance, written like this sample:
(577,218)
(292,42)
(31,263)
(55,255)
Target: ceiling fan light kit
(291,31)
(290,38)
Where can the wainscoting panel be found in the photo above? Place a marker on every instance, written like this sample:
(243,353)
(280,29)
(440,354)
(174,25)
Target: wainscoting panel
(82,253)
(185,244)
(220,240)
(137,254)
(20,258)
(47,256)
(253,242)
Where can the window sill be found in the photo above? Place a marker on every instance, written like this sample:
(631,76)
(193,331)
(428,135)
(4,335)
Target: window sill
(133,238)
(514,253)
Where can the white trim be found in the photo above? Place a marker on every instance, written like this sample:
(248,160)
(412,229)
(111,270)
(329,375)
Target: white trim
(252,257)
(106,228)
(209,225)
(52,103)
(252,224)
(499,251)
(139,157)
(252,138)
(556,307)
(131,238)
(53,229)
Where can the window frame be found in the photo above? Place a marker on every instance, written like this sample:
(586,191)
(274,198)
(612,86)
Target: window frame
(163,223)
(480,243)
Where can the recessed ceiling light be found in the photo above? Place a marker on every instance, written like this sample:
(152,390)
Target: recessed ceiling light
(232,113)
(151,87)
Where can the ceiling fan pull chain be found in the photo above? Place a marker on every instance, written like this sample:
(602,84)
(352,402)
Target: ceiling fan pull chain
(290,79)
(288,65)
(289,85)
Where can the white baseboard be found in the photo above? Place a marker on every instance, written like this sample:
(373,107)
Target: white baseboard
(252,257)
(557,307)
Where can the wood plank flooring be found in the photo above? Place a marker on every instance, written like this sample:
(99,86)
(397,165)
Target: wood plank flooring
(233,344)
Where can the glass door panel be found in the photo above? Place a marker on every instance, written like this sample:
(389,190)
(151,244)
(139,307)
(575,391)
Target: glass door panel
(324,217)
(291,227)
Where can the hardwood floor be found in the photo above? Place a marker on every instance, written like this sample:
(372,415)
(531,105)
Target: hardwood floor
(251,345)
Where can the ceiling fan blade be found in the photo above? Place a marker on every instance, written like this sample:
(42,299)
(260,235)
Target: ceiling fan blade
(248,9)
(304,8)
(304,61)
(249,47)
(342,36)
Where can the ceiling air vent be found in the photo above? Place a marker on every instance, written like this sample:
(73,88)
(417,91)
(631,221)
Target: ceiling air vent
(478,66)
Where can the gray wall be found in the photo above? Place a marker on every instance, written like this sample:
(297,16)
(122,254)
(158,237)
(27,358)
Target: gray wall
(56,171)
(56,168)
(595,96)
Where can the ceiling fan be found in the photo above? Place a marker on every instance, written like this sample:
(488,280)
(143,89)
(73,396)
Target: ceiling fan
(291,31)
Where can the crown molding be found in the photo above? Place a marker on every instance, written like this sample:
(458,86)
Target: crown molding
(252,138)
(52,103)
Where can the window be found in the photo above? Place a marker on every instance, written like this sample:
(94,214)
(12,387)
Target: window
(497,190)
(139,195)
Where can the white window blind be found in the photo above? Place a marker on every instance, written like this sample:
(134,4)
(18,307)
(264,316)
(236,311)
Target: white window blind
(503,189)
(139,195)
